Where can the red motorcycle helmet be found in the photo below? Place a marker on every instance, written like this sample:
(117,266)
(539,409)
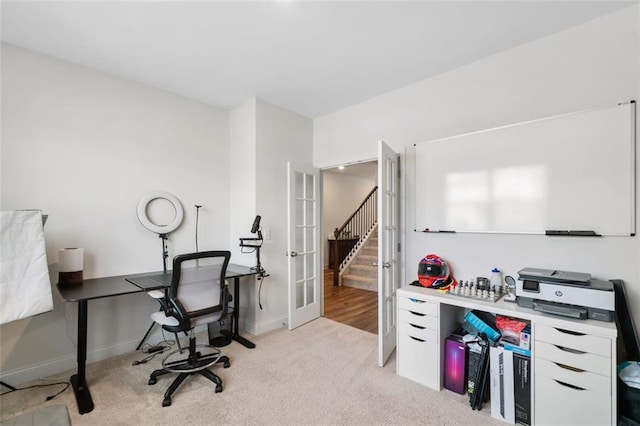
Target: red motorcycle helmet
(433,272)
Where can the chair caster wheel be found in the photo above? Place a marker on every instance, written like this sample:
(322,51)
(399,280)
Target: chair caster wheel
(152,381)
(218,388)
(166,402)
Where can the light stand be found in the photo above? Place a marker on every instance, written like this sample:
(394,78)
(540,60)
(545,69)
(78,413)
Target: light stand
(258,268)
(165,251)
(162,230)
(255,243)
(165,255)
(19,225)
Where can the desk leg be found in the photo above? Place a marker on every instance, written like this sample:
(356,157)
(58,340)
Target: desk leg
(236,316)
(8,386)
(79,381)
(145,335)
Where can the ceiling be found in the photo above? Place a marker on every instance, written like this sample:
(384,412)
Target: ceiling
(367,170)
(309,57)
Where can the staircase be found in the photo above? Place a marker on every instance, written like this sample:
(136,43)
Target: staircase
(361,273)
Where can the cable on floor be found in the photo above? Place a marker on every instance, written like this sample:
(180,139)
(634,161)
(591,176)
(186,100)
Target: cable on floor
(153,350)
(50,397)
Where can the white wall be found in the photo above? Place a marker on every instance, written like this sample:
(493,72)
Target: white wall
(341,196)
(263,138)
(591,65)
(281,136)
(243,176)
(84,147)
(242,130)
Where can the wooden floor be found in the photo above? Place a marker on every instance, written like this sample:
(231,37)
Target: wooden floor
(352,306)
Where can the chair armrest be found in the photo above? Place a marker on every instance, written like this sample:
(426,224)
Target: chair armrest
(156,294)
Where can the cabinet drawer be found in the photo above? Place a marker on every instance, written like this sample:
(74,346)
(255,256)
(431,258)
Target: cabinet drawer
(421,320)
(566,338)
(418,332)
(418,361)
(559,404)
(582,379)
(418,306)
(572,358)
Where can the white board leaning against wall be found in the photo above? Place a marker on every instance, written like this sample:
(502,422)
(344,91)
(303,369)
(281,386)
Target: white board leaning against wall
(568,174)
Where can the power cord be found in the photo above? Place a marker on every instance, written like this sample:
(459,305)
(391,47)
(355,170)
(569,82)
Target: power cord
(261,277)
(146,359)
(50,397)
(153,350)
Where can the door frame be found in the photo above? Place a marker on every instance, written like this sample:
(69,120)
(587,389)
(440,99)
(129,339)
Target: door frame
(322,230)
(402,155)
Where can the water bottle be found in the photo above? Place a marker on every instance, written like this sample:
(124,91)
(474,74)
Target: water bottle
(496,281)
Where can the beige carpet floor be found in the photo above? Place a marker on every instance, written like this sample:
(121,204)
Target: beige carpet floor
(321,373)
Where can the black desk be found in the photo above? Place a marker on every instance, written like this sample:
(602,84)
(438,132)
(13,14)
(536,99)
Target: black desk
(98,288)
(161,281)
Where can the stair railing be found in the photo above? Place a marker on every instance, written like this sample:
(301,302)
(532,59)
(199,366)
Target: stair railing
(358,226)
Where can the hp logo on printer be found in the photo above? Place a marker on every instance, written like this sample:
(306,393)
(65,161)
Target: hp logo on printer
(558,293)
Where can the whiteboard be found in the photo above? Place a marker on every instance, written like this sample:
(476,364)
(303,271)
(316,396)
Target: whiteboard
(571,172)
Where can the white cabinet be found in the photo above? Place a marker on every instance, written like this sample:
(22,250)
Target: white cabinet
(418,349)
(573,361)
(573,383)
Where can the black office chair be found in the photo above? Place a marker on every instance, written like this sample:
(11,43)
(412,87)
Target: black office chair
(198,295)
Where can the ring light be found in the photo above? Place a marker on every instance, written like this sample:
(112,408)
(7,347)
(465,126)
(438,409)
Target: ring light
(160,229)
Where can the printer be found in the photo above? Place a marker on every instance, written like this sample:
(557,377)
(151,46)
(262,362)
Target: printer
(570,294)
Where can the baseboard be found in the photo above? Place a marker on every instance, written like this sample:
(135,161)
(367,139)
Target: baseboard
(258,329)
(62,368)
(66,364)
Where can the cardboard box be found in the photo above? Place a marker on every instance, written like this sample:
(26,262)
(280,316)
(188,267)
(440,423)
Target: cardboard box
(522,388)
(502,395)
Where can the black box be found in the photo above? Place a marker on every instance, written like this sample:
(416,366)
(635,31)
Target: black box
(522,388)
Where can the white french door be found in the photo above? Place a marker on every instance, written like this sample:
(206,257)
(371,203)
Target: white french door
(303,250)
(388,249)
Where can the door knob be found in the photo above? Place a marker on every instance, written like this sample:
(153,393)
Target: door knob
(294,254)
(375,263)
(386,265)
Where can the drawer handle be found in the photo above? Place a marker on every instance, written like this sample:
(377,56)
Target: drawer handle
(417,301)
(418,314)
(417,326)
(419,340)
(570,350)
(568,385)
(568,367)
(573,333)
